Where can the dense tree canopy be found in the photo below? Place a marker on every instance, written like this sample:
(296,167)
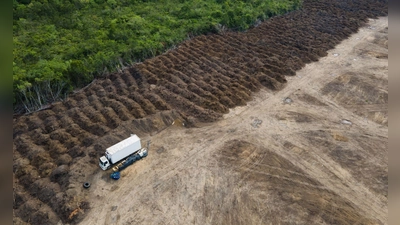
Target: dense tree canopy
(68,43)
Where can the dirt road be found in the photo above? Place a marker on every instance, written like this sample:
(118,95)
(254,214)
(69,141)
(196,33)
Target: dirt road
(313,153)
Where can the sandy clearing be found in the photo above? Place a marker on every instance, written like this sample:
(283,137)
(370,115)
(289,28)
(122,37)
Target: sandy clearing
(182,182)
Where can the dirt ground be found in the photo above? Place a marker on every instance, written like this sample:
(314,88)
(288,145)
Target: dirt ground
(244,129)
(313,153)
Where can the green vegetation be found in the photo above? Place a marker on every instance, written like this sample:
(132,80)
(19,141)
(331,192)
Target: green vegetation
(63,44)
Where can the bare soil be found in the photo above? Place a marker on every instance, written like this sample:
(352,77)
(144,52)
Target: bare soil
(244,129)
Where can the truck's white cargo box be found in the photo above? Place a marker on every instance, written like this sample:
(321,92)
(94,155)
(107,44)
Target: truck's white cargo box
(123,149)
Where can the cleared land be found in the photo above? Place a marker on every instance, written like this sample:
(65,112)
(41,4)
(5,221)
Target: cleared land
(285,157)
(271,162)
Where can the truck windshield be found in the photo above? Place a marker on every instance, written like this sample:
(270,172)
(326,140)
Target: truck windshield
(102,163)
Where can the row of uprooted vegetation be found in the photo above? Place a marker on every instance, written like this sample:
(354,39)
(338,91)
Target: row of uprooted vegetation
(60,46)
(198,82)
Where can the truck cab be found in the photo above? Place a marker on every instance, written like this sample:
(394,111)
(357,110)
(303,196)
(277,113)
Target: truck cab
(104,163)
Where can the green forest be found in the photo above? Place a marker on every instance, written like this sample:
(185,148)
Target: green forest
(62,45)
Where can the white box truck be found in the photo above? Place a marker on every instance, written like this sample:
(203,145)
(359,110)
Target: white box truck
(120,151)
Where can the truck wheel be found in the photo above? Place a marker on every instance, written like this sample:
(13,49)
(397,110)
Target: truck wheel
(86,185)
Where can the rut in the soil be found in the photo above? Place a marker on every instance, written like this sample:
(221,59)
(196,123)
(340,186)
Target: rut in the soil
(198,82)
